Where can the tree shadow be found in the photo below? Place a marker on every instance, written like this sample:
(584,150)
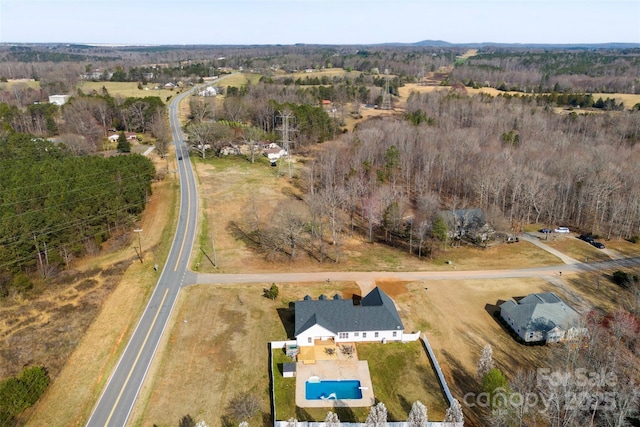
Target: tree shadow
(406,405)
(267,420)
(287,317)
(302,415)
(226,421)
(251,239)
(345,414)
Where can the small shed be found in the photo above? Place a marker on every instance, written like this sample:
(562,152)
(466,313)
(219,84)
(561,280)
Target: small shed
(288,370)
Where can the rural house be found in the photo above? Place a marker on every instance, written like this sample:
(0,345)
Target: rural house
(374,319)
(542,317)
(58,99)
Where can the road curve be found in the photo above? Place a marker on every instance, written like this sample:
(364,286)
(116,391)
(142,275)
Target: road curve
(117,399)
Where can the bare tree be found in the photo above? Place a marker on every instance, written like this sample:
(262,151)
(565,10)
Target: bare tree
(244,406)
(377,416)
(332,420)
(162,132)
(485,363)
(454,413)
(417,415)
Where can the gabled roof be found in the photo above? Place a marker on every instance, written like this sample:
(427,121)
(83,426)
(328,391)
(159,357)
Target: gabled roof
(376,312)
(540,312)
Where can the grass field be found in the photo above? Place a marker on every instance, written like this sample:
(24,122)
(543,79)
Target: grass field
(232,187)
(128,90)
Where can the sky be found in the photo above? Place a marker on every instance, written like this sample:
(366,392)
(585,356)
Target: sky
(255,22)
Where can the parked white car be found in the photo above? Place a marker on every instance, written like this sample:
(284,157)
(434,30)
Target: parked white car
(561,230)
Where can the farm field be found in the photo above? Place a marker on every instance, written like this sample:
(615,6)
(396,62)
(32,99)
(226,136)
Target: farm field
(129,89)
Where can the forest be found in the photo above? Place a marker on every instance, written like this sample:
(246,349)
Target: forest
(56,206)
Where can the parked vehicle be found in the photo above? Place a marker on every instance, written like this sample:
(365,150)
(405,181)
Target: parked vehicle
(586,238)
(544,230)
(598,245)
(561,230)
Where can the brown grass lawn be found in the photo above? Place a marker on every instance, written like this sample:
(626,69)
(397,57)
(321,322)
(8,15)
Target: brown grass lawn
(231,187)
(28,82)
(129,89)
(215,351)
(576,248)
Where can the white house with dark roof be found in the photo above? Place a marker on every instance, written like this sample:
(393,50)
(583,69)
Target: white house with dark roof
(374,319)
(542,317)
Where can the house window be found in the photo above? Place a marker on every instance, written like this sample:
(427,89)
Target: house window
(395,333)
(375,335)
(356,334)
(309,340)
(364,335)
(344,335)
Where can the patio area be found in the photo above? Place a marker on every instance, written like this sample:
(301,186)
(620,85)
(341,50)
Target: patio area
(327,350)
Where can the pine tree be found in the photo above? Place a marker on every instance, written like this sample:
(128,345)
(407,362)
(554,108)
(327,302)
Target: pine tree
(123,144)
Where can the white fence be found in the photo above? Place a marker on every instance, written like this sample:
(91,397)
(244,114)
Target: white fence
(294,423)
(406,337)
(410,337)
(436,367)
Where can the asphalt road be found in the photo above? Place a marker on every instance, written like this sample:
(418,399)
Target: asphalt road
(117,400)
(115,403)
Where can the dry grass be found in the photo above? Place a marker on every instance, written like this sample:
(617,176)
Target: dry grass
(128,89)
(231,189)
(28,82)
(576,248)
(215,351)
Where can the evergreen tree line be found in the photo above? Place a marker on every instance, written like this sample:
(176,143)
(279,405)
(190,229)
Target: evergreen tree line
(55,207)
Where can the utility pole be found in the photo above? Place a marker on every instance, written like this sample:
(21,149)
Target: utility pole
(215,260)
(386,96)
(138,231)
(285,116)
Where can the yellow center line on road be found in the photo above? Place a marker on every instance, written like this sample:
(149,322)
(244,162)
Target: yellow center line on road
(135,362)
(186,230)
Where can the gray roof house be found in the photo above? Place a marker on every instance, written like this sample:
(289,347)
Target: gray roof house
(375,319)
(542,317)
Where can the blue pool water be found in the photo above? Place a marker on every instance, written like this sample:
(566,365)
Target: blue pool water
(343,389)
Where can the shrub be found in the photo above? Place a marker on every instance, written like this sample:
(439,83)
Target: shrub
(624,279)
(271,293)
(19,393)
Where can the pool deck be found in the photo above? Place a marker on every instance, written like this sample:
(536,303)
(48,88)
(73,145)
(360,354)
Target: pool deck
(335,370)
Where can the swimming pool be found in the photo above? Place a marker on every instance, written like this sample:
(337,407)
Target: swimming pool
(333,389)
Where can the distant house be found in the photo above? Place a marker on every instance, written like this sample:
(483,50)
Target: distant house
(375,319)
(273,152)
(468,224)
(542,317)
(58,99)
(209,91)
(170,85)
(131,136)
